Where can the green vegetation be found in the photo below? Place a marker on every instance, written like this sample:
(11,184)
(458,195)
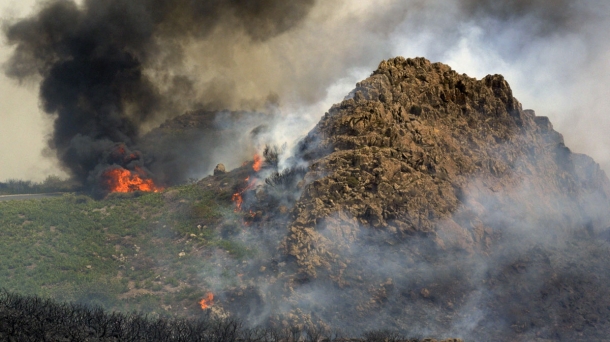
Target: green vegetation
(352,182)
(127,252)
(50,184)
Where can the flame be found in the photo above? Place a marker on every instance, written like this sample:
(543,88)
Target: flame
(123,180)
(258,162)
(237,198)
(207,302)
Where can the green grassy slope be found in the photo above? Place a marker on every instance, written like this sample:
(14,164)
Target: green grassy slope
(126,252)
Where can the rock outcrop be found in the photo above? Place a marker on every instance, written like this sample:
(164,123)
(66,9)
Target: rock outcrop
(417,147)
(462,198)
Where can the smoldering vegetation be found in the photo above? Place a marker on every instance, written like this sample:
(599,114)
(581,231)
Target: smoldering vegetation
(533,282)
(539,276)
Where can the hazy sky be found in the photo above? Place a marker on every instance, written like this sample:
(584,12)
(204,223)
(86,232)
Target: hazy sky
(554,53)
(22,125)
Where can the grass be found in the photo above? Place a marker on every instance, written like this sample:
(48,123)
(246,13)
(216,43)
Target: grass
(126,252)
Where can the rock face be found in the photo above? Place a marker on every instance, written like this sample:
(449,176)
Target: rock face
(434,194)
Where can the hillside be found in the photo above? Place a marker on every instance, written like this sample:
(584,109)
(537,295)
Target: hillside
(427,202)
(140,251)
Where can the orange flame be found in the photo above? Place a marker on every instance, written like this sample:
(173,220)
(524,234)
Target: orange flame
(207,302)
(258,162)
(122,180)
(237,199)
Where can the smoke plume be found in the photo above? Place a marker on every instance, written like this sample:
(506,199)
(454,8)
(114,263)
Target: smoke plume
(111,70)
(98,64)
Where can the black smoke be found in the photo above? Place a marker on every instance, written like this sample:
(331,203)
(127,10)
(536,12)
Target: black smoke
(99,65)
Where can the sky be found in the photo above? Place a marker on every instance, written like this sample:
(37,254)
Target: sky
(554,54)
(22,125)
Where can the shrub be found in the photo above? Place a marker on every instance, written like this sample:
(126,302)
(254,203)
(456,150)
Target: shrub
(287,178)
(50,184)
(383,336)
(352,182)
(271,154)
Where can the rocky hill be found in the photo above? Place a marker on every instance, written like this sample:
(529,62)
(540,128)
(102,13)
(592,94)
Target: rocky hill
(434,204)
(420,149)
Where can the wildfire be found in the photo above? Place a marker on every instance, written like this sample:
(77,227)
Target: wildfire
(258,162)
(207,302)
(123,180)
(237,199)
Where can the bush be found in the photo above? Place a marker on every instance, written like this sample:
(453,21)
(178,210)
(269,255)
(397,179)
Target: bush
(352,182)
(287,178)
(271,154)
(50,184)
(36,319)
(383,336)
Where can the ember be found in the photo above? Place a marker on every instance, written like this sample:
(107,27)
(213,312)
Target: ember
(123,180)
(207,302)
